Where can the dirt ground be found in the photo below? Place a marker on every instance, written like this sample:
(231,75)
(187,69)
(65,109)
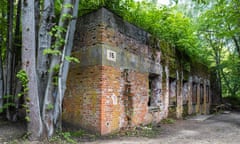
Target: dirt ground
(10,131)
(218,129)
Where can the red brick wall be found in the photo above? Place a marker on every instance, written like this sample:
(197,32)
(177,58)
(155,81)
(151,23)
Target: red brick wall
(138,97)
(110,104)
(95,98)
(82,101)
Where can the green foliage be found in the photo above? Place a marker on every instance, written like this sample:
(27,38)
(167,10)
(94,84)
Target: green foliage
(168,121)
(165,23)
(55,81)
(27,118)
(219,32)
(22,76)
(9,99)
(55,29)
(50,107)
(56,68)
(72,59)
(149,131)
(67,137)
(63,136)
(78,133)
(56,32)
(68,6)
(8,104)
(3,28)
(67,16)
(51,51)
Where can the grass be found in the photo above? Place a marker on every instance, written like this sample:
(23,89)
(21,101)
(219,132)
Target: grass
(168,121)
(149,131)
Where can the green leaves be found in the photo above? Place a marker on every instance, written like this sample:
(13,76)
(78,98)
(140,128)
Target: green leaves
(68,6)
(72,59)
(50,107)
(51,51)
(67,16)
(219,30)
(22,76)
(27,118)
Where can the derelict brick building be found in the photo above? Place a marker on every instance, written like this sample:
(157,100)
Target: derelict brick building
(123,81)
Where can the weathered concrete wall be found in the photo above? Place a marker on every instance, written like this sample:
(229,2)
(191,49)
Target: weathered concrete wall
(121,81)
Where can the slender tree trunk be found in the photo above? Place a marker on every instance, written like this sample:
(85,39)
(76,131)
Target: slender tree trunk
(64,67)
(1,76)
(29,65)
(217,57)
(219,79)
(17,62)
(44,42)
(235,40)
(9,72)
(51,90)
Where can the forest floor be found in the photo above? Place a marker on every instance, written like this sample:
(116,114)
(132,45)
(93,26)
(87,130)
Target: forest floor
(222,128)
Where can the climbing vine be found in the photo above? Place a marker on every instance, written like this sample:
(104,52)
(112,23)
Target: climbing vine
(22,76)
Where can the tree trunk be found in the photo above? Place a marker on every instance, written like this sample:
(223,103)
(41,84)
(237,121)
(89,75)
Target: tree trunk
(1,77)
(9,62)
(29,65)
(17,60)
(44,42)
(217,57)
(64,67)
(51,90)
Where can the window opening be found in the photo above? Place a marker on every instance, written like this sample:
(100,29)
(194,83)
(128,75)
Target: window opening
(201,94)
(194,93)
(207,92)
(185,92)
(172,92)
(154,90)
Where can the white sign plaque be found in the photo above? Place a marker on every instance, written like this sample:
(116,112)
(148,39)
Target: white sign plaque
(111,55)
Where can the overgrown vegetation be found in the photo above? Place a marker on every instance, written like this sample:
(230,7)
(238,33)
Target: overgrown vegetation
(167,24)
(205,30)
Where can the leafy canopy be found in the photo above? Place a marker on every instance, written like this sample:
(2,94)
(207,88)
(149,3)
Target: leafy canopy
(165,23)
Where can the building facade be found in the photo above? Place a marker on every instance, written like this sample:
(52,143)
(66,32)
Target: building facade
(125,78)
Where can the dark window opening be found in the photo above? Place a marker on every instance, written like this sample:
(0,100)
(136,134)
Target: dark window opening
(185,92)
(201,94)
(154,89)
(149,90)
(194,93)
(207,92)
(172,92)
